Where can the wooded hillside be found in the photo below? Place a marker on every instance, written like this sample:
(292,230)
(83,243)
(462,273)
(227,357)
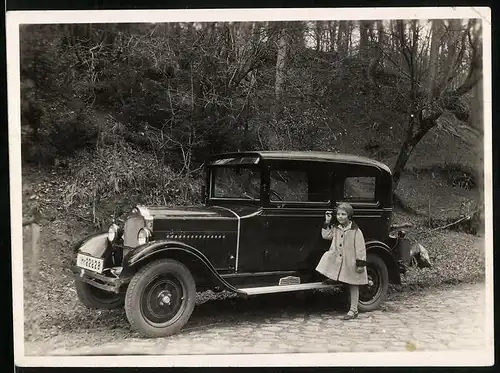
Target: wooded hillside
(137,107)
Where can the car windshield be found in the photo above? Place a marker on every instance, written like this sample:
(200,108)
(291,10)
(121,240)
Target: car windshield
(236,182)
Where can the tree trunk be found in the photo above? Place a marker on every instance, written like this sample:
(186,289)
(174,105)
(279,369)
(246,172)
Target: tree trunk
(392,38)
(273,137)
(333,31)
(381,34)
(342,39)
(364,28)
(319,34)
(403,44)
(454,52)
(375,53)
(437,25)
(412,139)
(280,64)
(412,62)
(349,37)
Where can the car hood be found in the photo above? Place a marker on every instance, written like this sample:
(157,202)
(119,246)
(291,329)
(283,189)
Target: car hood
(194,219)
(200,212)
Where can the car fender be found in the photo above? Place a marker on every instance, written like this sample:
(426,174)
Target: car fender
(94,245)
(387,255)
(156,249)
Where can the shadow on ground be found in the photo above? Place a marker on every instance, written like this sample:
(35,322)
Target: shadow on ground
(233,309)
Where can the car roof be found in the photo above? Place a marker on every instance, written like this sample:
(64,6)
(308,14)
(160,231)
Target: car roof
(309,156)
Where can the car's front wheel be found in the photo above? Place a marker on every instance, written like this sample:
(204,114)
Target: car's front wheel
(160,298)
(371,296)
(94,298)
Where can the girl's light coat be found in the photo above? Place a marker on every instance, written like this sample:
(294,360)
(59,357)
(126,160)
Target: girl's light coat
(339,262)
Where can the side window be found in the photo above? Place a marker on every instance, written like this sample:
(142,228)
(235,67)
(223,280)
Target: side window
(296,186)
(359,188)
(288,185)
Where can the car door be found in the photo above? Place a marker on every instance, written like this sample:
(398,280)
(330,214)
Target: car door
(294,215)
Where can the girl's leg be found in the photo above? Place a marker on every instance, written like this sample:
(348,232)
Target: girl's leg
(354,296)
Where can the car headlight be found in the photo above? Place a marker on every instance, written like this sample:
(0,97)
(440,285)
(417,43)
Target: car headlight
(113,232)
(143,236)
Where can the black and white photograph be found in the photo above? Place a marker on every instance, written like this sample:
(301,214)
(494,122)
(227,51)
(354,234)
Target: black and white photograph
(264,187)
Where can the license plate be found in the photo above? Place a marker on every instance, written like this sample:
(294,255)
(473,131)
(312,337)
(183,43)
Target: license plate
(90,263)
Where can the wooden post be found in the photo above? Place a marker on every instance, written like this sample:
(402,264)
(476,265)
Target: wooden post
(35,235)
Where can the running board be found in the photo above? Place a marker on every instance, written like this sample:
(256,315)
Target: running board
(286,288)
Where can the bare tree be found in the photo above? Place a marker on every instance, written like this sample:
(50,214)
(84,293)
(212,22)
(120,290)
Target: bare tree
(318,35)
(332,30)
(343,38)
(280,63)
(273,139)
(427,96)
(348,36)
(365,29)
(376,53)
(437,31)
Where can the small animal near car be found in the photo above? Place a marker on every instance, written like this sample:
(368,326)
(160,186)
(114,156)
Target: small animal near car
(257,231)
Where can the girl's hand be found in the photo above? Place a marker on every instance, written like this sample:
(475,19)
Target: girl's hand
(359,269)
(328,217)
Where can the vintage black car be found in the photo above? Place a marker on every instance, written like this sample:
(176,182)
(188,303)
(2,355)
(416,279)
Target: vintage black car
(258,231)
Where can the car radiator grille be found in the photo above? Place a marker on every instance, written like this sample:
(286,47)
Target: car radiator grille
(132,227)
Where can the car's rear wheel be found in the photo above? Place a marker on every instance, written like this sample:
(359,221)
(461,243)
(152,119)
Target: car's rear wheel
(94,298)
(371,296)
(160,298)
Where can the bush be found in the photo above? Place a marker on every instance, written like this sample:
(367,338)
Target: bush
(71,132)
(111,179)
(62,133)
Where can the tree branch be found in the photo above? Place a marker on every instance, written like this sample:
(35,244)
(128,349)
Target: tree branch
(474,74)
(475,71)
(454,57)
(396,66)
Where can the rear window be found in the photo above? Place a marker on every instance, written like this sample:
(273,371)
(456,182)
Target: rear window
(359,188)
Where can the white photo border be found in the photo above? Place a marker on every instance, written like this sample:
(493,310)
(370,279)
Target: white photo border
(16,18)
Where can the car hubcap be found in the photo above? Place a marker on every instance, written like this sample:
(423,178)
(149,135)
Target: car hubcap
(163,301)
(165,298)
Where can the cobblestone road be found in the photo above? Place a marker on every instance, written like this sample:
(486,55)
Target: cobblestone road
(445,319)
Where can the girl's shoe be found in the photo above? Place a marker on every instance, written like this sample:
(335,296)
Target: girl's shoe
(351,315)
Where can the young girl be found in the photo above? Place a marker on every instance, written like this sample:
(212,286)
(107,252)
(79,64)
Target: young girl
(346,259)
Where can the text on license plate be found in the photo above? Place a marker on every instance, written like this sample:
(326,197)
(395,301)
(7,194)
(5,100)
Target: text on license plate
(90,263)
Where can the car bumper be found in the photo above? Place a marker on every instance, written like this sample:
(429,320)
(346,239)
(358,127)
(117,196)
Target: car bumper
(114,285)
